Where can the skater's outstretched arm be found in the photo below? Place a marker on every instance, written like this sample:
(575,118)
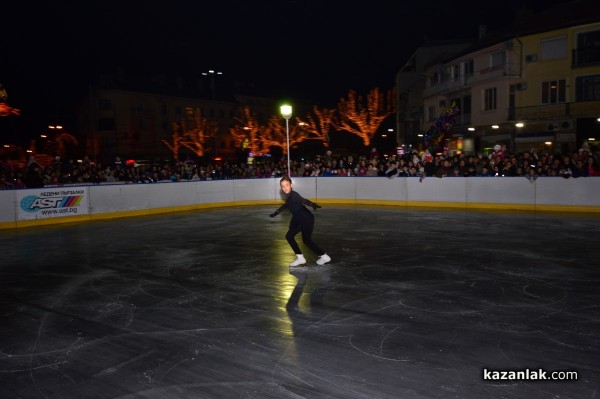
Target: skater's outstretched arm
(278,211)
(311,204)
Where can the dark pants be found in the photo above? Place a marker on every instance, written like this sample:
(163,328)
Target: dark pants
(304,222)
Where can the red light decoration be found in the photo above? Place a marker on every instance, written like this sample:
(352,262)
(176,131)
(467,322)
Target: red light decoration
(6,110)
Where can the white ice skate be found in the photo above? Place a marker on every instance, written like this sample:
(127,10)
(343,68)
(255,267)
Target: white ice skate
(299,261)
(323,259)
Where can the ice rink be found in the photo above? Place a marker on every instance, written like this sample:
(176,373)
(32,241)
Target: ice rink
(415,304)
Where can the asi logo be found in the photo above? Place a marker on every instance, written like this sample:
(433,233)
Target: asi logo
(33,203)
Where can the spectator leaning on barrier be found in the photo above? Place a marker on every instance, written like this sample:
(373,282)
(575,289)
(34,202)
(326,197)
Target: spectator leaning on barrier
(445,169)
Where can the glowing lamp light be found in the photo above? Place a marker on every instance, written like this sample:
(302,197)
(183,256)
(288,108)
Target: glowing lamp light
(519,124)
(495,127)
(286,111)
(471,129)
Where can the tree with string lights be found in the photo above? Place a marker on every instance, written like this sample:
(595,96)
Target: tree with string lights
(176,138)
(318,124)
(192,133)
(363,116)
(5,109)
(246,134)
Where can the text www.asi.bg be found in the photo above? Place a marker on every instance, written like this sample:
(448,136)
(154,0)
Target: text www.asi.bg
(530,375)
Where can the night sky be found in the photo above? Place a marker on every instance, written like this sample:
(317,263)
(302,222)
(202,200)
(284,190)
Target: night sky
(311,49)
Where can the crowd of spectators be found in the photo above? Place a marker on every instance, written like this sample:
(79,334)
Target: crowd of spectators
(500,163)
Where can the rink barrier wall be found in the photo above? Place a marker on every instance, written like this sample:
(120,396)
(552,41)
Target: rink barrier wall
(23,208)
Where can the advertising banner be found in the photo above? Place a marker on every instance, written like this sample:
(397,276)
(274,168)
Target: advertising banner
(52,203)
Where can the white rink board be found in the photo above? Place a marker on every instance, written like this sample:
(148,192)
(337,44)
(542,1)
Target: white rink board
(107,198)
(494,190)
(435,189)
(8,212)
(381,188)
(583,191)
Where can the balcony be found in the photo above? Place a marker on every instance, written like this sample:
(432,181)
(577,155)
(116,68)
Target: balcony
(450,85)
(495,72)
(580,109)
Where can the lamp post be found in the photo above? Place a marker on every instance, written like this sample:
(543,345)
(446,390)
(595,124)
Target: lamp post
(286,112)
(212,73)
(53,141)
(513,139)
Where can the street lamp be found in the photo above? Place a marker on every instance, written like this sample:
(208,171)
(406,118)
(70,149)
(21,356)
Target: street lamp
(212,73)
(513,139)
(286,112)
(52,142)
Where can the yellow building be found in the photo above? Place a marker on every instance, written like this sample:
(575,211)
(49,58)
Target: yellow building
(558,97)
(535,84)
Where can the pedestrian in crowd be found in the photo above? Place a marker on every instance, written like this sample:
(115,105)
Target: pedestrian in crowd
(302,221)
(33,176)
(445,170)
(591,167)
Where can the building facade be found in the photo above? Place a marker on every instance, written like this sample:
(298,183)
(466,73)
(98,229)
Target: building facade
(533,85)
(139,122)
(410,84)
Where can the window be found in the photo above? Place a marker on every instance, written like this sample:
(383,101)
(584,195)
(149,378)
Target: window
(588,39)
(489,99)
(497,59)
(431,113)
(104,104)
(139,107)
(456,72)
(554,91)
(554,48)
(466,105)
(106,124)
(465,111)
(588,48)
(469,68)
(587,88)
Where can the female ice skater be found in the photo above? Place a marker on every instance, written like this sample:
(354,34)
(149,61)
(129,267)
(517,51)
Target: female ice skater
(302,221)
